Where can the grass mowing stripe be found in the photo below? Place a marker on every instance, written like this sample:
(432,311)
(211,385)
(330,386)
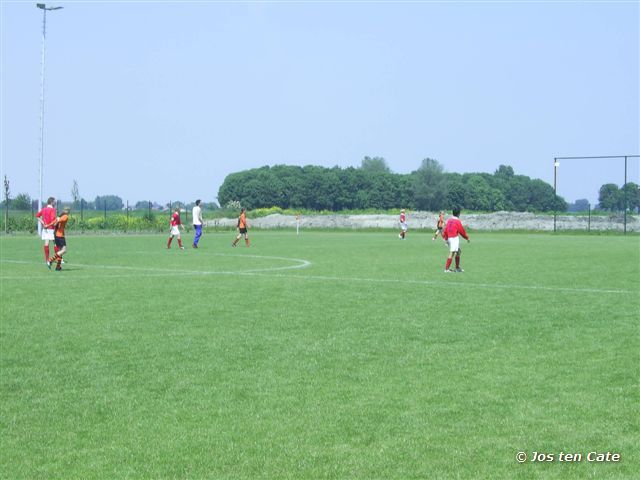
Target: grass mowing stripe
(305,264)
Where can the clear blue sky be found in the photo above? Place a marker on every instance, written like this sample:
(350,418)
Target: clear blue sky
(162,100)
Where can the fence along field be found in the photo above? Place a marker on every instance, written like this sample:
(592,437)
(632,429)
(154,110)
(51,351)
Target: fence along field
(153,220)
(328,354)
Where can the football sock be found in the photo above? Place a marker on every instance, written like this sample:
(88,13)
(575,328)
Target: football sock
(46,252)
(180,242)
(55,248)
(457,262)
(169,242)
(446,267)
(246,241)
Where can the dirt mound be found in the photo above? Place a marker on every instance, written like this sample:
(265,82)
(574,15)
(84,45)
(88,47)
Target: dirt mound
(427,220)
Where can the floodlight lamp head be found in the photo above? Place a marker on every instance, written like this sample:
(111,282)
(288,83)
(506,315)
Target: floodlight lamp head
(43,6)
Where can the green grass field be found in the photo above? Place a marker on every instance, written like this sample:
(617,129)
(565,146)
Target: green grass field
(328,355)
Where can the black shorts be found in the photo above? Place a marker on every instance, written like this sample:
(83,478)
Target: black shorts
(60,242)
(439,229)
(243,231)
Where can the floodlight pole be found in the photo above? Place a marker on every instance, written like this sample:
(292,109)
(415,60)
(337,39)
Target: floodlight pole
(44,9)
(556,164)
(625,194)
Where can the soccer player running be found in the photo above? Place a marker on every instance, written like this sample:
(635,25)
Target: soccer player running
(452,233)
(197,223)
(61,242)
(439,225)
(47,218)
(403,225)
(176,225)
(243,226)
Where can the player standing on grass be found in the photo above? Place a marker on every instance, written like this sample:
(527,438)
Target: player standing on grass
(197,223)
(439,225)
(403,225)
(176,225)
(243,225)
(47,218)
(61,242)
(452,233)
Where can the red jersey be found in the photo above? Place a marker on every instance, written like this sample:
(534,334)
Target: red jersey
(48,214)
(403,218)
(453,229)
(175,219)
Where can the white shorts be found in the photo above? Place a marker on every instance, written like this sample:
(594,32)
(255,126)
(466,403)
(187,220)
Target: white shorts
(404,227)
(47,234)
(175,230)
(454,244)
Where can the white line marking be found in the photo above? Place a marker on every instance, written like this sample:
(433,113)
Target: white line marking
(163,271)
(261,272)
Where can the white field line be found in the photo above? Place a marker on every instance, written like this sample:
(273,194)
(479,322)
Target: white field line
(264,272)
(301,263)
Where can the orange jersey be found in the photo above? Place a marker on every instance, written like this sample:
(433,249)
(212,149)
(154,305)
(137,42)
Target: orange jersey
(242,221)
(60,224)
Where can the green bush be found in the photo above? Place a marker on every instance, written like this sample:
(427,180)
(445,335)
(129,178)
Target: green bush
(27,223)
(21,223)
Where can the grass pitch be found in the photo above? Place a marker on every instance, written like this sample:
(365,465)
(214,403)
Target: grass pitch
(328,355)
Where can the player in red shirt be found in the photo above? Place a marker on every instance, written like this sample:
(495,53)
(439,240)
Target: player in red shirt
(403,225)
(47,218)
(453,230)
(176,225)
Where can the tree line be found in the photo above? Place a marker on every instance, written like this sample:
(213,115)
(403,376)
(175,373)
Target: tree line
(374,186)
(23,201)
(371,186)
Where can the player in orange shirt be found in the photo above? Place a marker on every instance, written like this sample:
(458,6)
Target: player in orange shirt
(243,226)
(439,225)
(61,242)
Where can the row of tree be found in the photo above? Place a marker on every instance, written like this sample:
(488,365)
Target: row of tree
(23,201)
(374,186)
(612,198)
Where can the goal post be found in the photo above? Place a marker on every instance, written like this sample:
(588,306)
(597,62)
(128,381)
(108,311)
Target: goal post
(556,164)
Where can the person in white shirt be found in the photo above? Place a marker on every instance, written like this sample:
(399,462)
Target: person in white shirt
(197,223)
